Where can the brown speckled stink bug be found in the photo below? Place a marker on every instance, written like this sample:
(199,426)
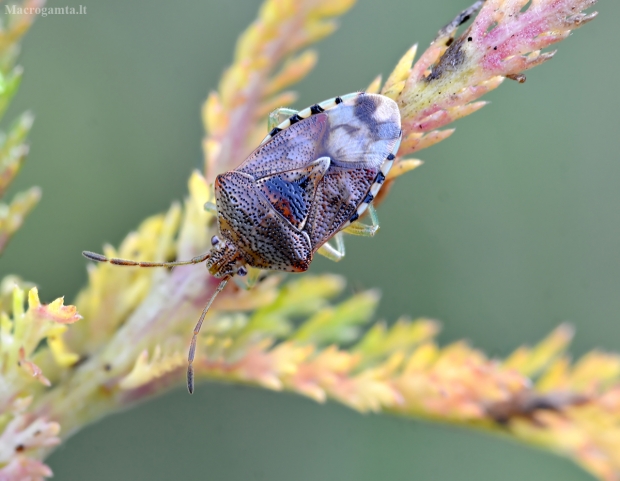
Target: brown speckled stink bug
(308,181)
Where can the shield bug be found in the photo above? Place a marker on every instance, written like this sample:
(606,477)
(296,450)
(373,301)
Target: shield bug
(310,179)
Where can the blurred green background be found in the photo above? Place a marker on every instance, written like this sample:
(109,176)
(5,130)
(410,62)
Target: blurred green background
(510,227)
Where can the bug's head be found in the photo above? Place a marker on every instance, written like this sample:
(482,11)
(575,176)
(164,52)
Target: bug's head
(225,259)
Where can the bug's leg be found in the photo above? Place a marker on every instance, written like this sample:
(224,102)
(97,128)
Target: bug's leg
(365,230)
(278,116)
(333,253)
(211,208)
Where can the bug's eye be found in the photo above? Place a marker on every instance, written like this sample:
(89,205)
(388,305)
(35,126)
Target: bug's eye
(215,240)
(242,271)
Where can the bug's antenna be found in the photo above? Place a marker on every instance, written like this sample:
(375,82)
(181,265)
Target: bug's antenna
(192,346)
(124,262)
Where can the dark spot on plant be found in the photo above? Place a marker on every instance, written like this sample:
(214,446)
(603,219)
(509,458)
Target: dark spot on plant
(450,61)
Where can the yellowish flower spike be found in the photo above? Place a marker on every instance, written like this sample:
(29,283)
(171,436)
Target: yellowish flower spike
(26,367)
(145,370)
(13,149)
(22,332)
(290,336)
(12,154)
(502,42)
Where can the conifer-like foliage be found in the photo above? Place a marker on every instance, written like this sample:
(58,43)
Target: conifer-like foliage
(60,370)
